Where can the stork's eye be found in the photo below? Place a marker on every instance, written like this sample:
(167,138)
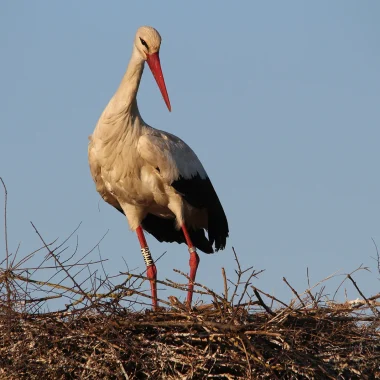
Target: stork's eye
(144,43)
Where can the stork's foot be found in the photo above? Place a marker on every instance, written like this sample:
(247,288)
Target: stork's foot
(193,262)
(151,273)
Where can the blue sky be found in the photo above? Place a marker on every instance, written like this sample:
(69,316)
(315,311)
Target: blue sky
(279,100)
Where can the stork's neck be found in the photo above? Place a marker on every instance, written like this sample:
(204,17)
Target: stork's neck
(124,99)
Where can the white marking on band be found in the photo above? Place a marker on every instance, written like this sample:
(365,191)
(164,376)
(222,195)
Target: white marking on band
(147,256)
(192,249)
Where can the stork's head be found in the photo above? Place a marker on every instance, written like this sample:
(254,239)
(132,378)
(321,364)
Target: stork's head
(147,43)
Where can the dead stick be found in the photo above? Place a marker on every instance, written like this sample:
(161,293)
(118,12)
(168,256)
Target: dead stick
(273,298)
(312,297)
(294,291)
(225,284)
(374,310)
(257,294)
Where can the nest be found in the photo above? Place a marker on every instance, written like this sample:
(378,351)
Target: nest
(103,329)
(98,337)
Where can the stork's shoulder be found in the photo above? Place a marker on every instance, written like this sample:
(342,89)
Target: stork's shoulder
(170,154)
(164,138)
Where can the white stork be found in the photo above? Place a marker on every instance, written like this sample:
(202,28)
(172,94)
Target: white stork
(152,176)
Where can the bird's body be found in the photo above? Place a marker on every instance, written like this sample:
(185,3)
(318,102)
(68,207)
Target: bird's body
(152,176)
(147,174)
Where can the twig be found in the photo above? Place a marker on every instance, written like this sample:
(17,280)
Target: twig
(5,221)
(377,255)
(294,291)
(225,284)
(59,263)
(268,310)
(7,284)
(374,310)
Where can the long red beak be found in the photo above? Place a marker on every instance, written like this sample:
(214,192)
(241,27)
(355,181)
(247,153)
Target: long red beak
(153,61)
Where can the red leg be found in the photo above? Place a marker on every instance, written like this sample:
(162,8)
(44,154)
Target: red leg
(151,270)
(194,262)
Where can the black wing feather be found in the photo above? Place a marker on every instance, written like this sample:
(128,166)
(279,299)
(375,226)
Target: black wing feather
(200,193)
